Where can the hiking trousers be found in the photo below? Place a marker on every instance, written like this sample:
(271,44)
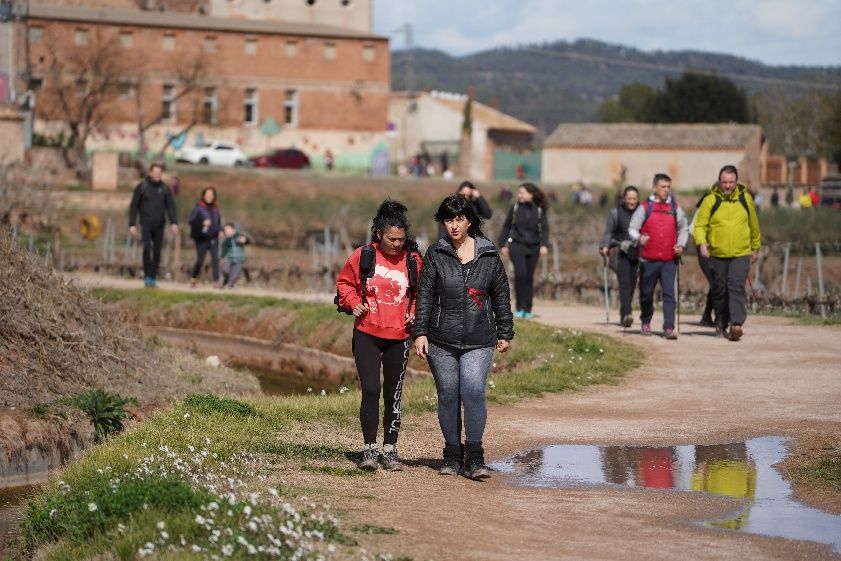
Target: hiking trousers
(651,273)
(204,247)
(728,286)
(231,272)
(627,271)
(524,258)
(704,263)
(153,240)
(370,353)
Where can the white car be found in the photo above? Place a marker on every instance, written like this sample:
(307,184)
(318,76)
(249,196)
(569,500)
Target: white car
(214,152)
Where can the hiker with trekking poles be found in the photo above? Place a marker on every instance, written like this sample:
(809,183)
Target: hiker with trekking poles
(660,229)
(524,239)
(463,315)
(618,243)
(727,233)
(377,286)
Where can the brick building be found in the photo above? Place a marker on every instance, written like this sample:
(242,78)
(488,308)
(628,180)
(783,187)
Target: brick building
(228,77)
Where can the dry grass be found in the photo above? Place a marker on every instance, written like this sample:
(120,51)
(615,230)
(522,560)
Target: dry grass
(57,341)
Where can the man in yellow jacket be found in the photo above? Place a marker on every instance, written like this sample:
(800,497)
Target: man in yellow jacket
(727,232)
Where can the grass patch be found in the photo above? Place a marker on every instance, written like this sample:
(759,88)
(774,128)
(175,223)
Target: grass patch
(155,485)
(375,530)
(806,319)
(825,469)
(337,471)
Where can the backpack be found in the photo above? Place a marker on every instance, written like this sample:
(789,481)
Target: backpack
(367,262)
(648,205)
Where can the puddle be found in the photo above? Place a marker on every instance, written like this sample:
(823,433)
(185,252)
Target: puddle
(273,382)
(742,470)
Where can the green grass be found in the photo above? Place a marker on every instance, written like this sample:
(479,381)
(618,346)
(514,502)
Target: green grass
(371,530)
(806,319)
(825,469)
(239,439)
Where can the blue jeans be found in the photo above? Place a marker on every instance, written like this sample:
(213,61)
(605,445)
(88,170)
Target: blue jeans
(651,272)
(460,377)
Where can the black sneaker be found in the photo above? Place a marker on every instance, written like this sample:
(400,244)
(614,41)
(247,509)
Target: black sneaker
(391,461)
(369,458)
(627,321)
(707,321)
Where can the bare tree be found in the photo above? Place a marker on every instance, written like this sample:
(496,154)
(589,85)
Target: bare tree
(187,83)
(82,83)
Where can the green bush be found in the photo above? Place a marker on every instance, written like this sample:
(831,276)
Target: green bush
(105,410)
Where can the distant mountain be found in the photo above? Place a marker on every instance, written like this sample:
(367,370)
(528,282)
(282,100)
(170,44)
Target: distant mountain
(566,81)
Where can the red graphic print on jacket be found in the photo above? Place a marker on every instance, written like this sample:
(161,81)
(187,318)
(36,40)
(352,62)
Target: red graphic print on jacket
(387,294)
(661,227)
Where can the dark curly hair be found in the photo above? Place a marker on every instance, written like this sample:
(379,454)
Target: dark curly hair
(539,197)
(392,214)
(456,205)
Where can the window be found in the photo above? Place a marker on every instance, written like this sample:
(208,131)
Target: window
(168,42)
(290,108)
(369,53)
(251,46)
(210,44)
(250,107)
(329,50)
(291,49)
(211,102)
(81,37)
(126,39)
(168,103)
(126,90)
(36,34)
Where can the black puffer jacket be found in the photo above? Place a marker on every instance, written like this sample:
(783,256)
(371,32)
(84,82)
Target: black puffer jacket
(466,313)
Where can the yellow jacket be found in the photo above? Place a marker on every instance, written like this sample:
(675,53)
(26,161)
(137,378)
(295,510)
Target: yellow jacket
(732,231)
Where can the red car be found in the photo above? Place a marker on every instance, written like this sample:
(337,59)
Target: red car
(288,158)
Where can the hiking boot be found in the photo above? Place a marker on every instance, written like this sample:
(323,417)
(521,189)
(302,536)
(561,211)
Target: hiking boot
(707,321)
(474,461)
(735,332)
(370,455)
(390,459)
(645,329)
(452,460)
(627,321)
(194,283)
(669,334)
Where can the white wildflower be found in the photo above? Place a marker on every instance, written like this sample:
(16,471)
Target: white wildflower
(92,507)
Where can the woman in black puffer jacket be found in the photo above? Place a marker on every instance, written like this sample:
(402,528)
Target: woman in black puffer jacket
(463,313)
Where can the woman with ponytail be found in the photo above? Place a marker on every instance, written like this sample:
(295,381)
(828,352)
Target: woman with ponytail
(374,285)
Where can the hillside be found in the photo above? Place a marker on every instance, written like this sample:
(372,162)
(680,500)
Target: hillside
(566,81)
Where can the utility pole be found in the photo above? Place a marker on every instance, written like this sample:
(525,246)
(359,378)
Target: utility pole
(408,58)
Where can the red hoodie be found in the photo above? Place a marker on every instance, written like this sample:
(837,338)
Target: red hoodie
(387,294)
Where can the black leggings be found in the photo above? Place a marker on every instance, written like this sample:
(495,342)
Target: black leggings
(525,262)
(202,248)
(370,353)
(626,272)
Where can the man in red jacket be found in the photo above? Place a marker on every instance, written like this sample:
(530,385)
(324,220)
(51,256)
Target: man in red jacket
(660,229)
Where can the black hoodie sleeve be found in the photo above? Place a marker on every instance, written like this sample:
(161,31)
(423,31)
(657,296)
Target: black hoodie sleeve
(425,295)
(544,229)
(134,207)
(506,229)
(501,301)
(483,209)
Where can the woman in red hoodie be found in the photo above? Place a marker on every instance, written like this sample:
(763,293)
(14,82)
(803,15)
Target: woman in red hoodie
(384,314)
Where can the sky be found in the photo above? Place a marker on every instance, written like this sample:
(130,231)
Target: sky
(776,32)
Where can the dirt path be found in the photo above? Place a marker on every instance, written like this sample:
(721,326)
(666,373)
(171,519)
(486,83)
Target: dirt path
(781,379)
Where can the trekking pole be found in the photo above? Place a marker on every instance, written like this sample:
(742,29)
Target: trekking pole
(606,300)
(677,292)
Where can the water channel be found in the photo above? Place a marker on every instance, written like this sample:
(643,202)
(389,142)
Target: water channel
(741,470)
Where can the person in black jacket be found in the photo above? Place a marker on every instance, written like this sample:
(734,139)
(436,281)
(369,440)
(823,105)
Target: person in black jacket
(469,191)
(627,262)
(153,200)
(463,313)
(524,238)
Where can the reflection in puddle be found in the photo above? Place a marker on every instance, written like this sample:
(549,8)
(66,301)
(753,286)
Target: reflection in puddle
(273,382)
(742,470)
